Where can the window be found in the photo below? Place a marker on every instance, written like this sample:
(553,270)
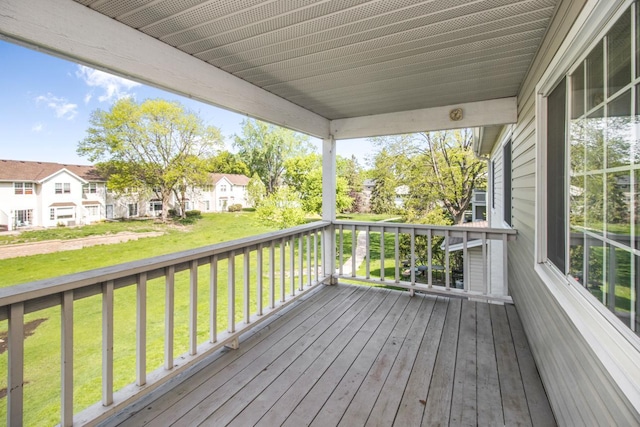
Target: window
(506,167)
(223,188)
(64,213)
(52,214)
(92,210)
(90,188)
(24,218)
(63,188)
(133,209)
(593,171)
(23,188)
(493,184)
(207,205)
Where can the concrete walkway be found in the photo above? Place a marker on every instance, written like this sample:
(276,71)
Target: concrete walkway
(360,252)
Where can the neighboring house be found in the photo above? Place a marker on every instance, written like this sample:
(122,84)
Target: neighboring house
(226,189)
(402,191)
(48,194)
(45,194)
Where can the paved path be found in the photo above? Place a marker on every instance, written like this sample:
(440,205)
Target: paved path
(361,251)
(50,246)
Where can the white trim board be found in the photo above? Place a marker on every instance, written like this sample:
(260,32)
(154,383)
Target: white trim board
(482,113)
(69,30)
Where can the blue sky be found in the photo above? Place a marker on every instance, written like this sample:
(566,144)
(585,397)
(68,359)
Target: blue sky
(46,103)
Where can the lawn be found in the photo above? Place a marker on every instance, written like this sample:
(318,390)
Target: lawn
(42,349)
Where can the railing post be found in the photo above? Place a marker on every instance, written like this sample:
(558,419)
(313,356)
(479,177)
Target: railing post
(141,330)
(213,299)
(66,345)
(231,293)
(169,306)
(259,279)
(15,380)
(329,207)
(107,343)
(193,307)
(505,268)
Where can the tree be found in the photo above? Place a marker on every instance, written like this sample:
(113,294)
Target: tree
(265,148)
(386,181)
(304,174)
(441,168)
(255,191)
(156,144)
(226,162)
(281,208)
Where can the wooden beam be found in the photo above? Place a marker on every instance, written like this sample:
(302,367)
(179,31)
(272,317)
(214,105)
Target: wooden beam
(474,114)
(69,30)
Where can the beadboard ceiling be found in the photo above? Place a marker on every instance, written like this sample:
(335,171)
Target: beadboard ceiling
(353,58)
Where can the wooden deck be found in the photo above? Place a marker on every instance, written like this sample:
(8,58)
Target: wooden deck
(351,355)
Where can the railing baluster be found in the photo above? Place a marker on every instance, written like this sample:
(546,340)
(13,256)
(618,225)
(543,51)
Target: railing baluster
(107,343)
(169,305)
(66,325)
(485,280)
(446,258)
(322,252)
(272,275)
(213,299)
(413,259)
(353,250)
(465,263)
(141,330)
(430,257)
(15,377)
(282,270)
(382,253)
(193,307)
(368,265)
(292,265)
(309,279)
(231,293)
(505,263)
(247,287)
(259,277)
(315,256)
(397,252)
(300,263)
(340,256)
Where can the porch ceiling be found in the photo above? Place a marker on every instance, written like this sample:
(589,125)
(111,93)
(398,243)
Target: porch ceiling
(339,59)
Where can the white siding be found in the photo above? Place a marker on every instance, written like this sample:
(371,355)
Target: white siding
(579,380)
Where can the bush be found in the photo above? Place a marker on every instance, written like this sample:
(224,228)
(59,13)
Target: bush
(188,220)
(235,208)
(173,213)
(193,214)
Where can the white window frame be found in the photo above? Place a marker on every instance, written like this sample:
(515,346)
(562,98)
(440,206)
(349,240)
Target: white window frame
(90,188)
(582,38)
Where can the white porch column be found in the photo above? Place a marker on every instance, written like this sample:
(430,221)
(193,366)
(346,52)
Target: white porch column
(329,205)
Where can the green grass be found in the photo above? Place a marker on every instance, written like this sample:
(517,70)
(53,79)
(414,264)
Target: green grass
(65,233)
(42,349)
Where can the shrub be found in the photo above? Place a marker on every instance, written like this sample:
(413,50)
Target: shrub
(173,213)
(235,208)
(193,214)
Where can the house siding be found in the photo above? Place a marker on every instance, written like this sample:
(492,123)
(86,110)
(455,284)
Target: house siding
(581,389)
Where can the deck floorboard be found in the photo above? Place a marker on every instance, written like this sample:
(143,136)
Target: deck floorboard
(354,356)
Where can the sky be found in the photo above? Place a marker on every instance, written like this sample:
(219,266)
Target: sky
(46,103)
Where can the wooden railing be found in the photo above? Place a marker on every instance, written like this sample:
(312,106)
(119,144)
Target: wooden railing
(409,251)
(277,282)
(263,275)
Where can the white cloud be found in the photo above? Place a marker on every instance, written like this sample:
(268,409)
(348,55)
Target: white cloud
(37,127)
(114,87)
(63,108)
(87,98)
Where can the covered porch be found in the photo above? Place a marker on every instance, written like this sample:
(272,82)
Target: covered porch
(299,344)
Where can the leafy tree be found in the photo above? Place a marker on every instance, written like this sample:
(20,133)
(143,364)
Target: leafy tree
(156,144)
(265,148)
(226,162)
(440,169)
(281,208)
(256,191)
(386,181)
(304,174)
